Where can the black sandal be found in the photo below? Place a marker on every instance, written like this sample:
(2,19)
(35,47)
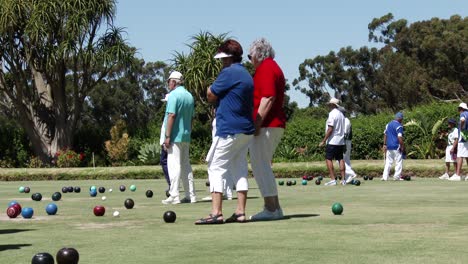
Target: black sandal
(211,220)
(235,218)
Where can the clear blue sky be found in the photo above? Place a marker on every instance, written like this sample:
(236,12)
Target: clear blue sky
(297,29)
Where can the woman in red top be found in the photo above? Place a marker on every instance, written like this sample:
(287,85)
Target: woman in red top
(270,121)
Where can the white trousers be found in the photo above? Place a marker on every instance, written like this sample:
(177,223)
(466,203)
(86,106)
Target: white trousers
(178,165)
(393,156)
(261,153)
(347,159)
(229,160)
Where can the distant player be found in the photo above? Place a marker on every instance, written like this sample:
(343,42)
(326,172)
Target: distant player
(452,136)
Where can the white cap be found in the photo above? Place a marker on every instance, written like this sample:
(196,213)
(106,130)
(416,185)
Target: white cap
(463,105)
(222,55)
(175,75)
(334,101)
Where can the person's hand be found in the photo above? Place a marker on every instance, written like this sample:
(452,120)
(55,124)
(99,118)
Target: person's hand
(453,150)
(167,143)
(384,148)
(322,143)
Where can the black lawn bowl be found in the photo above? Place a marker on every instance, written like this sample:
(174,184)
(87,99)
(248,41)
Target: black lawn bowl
(42,258)
(67,256)
(149,193)
(56,196)
(129,203)
(169,217)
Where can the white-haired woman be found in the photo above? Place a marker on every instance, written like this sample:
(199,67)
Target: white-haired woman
(270,122)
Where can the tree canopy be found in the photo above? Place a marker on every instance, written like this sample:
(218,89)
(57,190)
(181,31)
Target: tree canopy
(418,63)
(53,54)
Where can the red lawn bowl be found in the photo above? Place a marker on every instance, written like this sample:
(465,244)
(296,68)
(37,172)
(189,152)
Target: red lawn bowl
(99,210)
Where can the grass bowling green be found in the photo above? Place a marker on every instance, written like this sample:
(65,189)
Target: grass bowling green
(424,220)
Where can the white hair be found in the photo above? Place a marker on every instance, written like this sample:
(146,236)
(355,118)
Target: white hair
(261,49)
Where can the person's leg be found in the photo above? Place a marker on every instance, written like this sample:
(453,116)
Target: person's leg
(239,171)
(388,164)
(173,164)
(349,172)
(262,150)
(224,151)
(186,173)
(331,170)
(398,165)
(163,161)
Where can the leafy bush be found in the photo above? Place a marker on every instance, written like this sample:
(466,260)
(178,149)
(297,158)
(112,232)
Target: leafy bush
(35,162)
(68,158)
(117,147)
(150,153)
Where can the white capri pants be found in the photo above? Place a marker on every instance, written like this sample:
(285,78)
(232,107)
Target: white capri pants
(448,156)
(229,159)
(261,153)
(178,165)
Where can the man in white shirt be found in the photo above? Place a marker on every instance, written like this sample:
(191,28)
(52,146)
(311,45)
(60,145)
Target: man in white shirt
(334,140)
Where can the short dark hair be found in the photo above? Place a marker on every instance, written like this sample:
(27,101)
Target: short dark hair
(233,48)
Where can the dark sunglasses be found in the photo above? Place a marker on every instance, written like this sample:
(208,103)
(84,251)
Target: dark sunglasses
(249,56)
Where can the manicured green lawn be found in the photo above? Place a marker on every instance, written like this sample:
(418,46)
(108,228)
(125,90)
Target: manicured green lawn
(421,221)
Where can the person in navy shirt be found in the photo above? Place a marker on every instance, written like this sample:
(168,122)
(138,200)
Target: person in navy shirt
(461,144)
(394,147)
(232,92)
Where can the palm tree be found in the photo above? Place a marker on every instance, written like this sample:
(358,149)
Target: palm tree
(427,148)
(199,67)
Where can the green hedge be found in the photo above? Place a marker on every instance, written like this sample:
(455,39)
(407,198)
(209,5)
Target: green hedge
(304,132)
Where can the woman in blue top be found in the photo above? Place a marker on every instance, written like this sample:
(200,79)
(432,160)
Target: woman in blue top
(232,92)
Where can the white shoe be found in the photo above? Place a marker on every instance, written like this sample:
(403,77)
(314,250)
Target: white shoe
(455,177)
(171,200)
(343,182)
(383,179)
(445,176)
(330,183)
(466,178)
(208,198)
(398,179)
(266,215)
(350,178)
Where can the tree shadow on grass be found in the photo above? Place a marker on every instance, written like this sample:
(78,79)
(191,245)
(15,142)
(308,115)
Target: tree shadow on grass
(12,231)
(13,246)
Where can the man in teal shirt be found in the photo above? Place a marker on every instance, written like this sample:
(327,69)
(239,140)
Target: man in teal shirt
(178,127)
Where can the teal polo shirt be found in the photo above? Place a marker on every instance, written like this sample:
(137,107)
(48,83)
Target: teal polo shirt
(180,103)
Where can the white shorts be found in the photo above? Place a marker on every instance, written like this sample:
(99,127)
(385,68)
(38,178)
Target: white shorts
(448,156)
(229,159)
(462,150)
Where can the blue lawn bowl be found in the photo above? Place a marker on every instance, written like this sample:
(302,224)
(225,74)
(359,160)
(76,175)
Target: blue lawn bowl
(51,209)
(93,193)
(27,212)
(304,182)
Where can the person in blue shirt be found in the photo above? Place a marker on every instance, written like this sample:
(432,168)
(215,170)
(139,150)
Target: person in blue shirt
(178,128)
(232,92)
(460,146)
(394,147)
